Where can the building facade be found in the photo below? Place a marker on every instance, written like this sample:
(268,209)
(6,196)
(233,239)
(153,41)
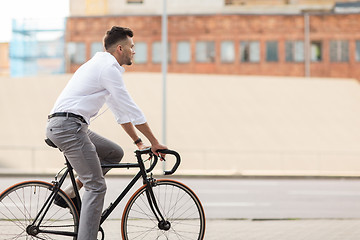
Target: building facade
(305,39)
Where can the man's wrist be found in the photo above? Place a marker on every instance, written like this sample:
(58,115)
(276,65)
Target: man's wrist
(137,141)
(154,142)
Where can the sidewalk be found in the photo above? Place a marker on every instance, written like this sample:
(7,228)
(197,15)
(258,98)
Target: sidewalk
(322,229)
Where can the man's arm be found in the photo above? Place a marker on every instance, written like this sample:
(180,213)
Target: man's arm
(144,129)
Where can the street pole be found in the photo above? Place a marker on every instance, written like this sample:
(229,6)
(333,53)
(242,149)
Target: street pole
(164,62)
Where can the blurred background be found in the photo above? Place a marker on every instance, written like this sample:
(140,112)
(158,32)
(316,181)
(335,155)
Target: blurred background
(253,87)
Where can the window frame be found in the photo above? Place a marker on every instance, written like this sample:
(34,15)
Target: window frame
(188,55)
(94,49)
(316,43)
(75,55)
(246,49)
(210,51)
(158,58)
(357,50)
(337,52)
(294,51)
(143,58)
(276,51)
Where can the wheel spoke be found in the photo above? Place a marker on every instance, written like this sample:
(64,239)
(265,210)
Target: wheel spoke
(179,206)
(21,203)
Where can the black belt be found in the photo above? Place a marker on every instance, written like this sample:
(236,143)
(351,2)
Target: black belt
(67,114)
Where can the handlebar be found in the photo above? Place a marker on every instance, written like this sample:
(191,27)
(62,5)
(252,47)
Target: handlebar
(139,153)
(177,163)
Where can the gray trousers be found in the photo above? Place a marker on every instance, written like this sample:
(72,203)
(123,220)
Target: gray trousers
(85,151)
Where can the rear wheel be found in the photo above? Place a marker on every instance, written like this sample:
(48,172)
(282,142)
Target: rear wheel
(181,208)
(21,203)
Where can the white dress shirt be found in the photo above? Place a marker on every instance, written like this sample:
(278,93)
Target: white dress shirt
(98,81)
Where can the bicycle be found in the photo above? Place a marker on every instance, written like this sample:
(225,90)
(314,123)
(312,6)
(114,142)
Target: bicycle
(159,209)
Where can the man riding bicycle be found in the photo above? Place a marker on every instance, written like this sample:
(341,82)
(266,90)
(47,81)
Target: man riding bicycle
(95,83)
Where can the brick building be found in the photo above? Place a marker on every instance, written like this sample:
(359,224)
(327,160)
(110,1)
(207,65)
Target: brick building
(291,43)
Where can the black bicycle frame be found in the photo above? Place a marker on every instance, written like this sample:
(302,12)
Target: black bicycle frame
(142,173)
(49,201)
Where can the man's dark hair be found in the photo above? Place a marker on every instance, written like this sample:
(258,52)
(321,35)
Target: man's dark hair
(115,35)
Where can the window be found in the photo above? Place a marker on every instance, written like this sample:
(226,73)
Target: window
(272,51)
(157,52)
(357,53)
(316,51)
(140,52)
(227,52)
(339,51)
(294,51)
(249,51)
(183,52)
(205,51)
(96,47)
(76,52)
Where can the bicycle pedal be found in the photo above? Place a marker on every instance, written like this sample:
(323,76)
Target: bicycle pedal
(59,201)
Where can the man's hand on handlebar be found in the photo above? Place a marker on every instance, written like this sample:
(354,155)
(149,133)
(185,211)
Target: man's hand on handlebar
(156,147)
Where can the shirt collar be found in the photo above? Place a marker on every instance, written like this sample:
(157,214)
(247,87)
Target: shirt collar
(122,69)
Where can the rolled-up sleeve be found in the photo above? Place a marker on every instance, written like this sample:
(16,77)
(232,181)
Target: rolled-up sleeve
(120,102)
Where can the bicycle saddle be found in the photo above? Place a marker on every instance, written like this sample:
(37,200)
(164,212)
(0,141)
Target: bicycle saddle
(50,143)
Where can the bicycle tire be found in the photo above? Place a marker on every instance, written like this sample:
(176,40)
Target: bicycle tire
(19,205)
(178,204)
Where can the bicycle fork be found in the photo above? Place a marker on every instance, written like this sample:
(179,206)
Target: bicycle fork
(163,224)
(150,182)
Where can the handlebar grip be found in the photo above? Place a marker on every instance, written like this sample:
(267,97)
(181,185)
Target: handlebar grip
(164,151)
(178,160)
(144,151)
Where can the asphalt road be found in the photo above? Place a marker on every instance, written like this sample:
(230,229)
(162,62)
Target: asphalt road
(254,198)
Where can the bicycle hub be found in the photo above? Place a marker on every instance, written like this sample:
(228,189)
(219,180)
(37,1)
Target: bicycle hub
(32,230)
(164,225)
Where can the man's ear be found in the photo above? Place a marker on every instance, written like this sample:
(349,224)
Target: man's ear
(120,48)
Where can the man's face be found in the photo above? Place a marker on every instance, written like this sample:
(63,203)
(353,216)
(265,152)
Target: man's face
(127,51)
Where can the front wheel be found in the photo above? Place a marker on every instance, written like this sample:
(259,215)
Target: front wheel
(181,208)
(21,203)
